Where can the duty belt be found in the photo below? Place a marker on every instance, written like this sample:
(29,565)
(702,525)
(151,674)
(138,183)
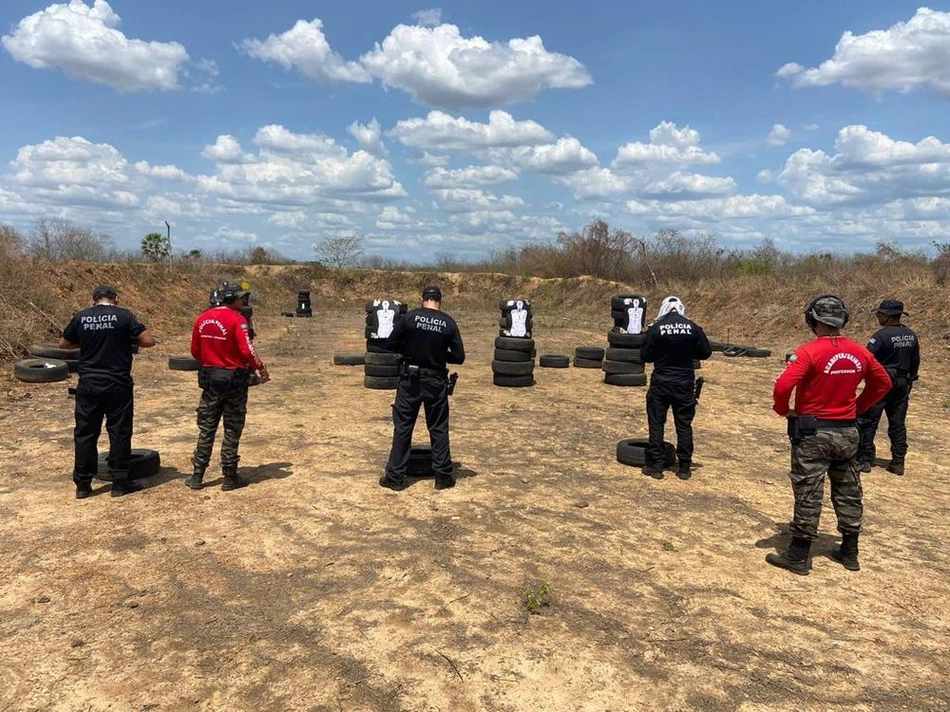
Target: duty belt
(819,423)
(408,368)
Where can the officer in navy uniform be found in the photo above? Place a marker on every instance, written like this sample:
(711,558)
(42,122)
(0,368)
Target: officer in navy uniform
(897,349)
(672,343)
(428,339)
(105,334)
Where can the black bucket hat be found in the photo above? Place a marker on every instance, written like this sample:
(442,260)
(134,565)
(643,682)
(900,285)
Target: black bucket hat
(891,307)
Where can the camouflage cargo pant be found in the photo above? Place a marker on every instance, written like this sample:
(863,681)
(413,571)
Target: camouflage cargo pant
(232,405)
(831,451)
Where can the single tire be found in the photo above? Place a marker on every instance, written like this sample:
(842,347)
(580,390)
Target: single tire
(587,363)
(376,346)
(348,359)
(143,463)
(511,355)
(625,341)
(381,383)
(53,351)
(753,352)
(733,351)
(633,452)
(513,343)
(621,367)
(287,314)
(374,369)
(554,361)
(41,370)
(615,353)
(591,353)
(513,368)
(625,379)
(512,381)
(718,345)
(183,363)
(388,358)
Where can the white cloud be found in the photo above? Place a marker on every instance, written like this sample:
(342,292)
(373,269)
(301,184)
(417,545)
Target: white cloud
(439,67)
(596,183)
(779,135)
(392,218)
(469,199)
(225,149)
(688,186)
(369,137)
(83,41)
(164,172)
(736,207)
(469,177)
(428,18)
(443,132)
(72,161)
(304,47)
(668,144)
(907,56)
(565,156)
(274,138)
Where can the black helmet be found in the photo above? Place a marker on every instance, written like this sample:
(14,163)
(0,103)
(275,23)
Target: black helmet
(827,309)
(227,293)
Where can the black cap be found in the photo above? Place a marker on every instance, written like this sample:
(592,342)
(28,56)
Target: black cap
(432,293)
(891,307)
(104,291)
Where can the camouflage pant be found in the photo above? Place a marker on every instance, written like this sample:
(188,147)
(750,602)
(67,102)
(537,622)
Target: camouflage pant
(830,451)
(232,404)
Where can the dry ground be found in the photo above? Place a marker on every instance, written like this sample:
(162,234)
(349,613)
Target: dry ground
(314,589)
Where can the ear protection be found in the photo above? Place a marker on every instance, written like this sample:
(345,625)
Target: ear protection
(811,317)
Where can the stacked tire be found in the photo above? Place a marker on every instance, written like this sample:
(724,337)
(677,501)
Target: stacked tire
(588,357)
(622,365)
(513,362)
(381,367)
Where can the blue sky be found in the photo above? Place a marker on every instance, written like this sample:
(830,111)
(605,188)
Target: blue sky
(466,128)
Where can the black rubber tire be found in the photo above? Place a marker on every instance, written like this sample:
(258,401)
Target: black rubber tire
(512,381)
(383,359)
(718,345)
(625,341)
(621,367)
(511,355)
(633,452)
(620,322)
(348,359)
(376,346)
(587,363)
(183,363)
(554,361)
(41,370)
(287,314)
(753,352)
(513,368)
(513,343)
(144,463)
(590,353)
(615,353)
(53,351)
(374,369)
(733,351)
(625,379)
(381,383)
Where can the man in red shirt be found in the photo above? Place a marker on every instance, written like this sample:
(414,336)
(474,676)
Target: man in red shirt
(221,341)
(825,374)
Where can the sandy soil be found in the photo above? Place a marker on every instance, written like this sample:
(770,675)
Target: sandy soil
(315,589)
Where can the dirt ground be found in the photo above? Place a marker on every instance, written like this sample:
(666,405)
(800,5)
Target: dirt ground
(315,589)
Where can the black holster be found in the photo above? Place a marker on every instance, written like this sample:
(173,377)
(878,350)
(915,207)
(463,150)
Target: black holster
(801,426)
(222,380)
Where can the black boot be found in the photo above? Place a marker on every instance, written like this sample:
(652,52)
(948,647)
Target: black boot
(896,466)
(654,471)
(125,486)
(232,480)
(847,553)
(862,464)
(794,558)
(392,483)
(195,482)
(446,482)
(83,490)
(683,471)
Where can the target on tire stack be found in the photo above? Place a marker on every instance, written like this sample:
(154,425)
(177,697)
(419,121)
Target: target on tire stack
(513,361)
(622,365)
(381,367)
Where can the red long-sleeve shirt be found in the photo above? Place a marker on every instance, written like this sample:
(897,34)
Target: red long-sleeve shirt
(825,374)
(221,339)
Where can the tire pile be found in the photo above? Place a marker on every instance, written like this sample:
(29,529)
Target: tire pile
(622,365)
(381,367)
(513,360)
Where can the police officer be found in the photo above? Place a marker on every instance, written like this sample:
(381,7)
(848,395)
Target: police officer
(897,349)
(428,339)
(825,374)
(105,334)
(221,342)
(672,343)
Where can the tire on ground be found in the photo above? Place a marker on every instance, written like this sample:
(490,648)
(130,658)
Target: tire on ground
(511,355)
(753,352)
(41,370)
(388,358)
(591,353)
(626,341)
(633,452)
(587,363)
(144,463)
(381,383)
(615,353)
(621,367)
(374,369)
(348,359)
(625,379)
(512,381)
(53,351)
(513,343)
(183,363)
(513,368)
(554,361)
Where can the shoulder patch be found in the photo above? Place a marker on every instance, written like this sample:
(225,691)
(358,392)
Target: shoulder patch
(793,357)
(872,340)
(244,326)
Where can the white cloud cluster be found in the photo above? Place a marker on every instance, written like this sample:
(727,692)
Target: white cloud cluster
(565,156)
(431,62)
(369,137)
(907,56)
(443,132)
(668,144)
(429,17)
(779,135)
(469,177)
(83,41)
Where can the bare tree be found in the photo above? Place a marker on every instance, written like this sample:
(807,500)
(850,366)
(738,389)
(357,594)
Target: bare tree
(58,239)
(340,251)
(11,242)
(597,251)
